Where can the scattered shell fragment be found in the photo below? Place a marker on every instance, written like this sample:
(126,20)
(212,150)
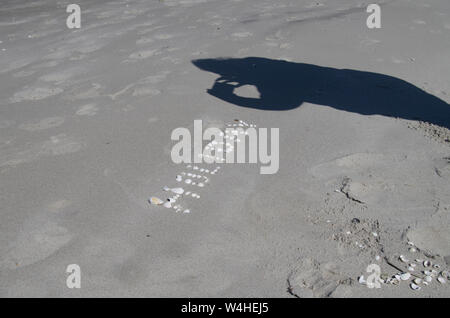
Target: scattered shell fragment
(179,178)
(414,286)
(427,263)
(441,280)
(177,190)
(403,259)
(405,276)
(187,211)
(155,201)
(361,280)
(445,274)
(413,250)
(395,281)
(410,243)
(168,205)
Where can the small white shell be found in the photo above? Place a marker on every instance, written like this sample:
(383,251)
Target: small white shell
(405,276)
(445,274)
(437,266)
(411,269)
(187,211)
(413,250)
(414,286)
(403,259)
(155,201)
(168,205)
(361,280)
(188,181)
(441,280)
(418,281)
(177,190)
(411,243)
(428,279)
(427,263)
(179,178)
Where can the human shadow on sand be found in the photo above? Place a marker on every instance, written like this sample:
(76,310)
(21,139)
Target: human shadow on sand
(286,85)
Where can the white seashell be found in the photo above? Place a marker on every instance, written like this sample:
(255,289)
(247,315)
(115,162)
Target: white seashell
(375,234)
(155,201)
(187,211)
(177,190)
(441,280)
(427,263)
(437,266)
(403,259)
(445,274)
(166,188)
(171,200)
(201,184)
(405,276)
(412,250)
(189,192)
(361,280)
(168,205)
(428,279)
(411,269)
(418,260)
(411,243)
(414,286)
(376,257)
(179,178)
(395,281)
(418,281)
(428,273)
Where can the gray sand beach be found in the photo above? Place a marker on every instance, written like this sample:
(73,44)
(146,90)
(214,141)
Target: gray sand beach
(86,117)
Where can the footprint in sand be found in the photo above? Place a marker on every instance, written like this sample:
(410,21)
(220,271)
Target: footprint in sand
(45,123)
(35,93)
(35,243)
(312,279)
(87,110)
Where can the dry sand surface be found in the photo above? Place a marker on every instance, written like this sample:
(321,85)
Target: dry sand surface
(86,117)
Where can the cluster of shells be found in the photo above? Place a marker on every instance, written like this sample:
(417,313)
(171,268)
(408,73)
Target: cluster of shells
(419,272)
(199,177)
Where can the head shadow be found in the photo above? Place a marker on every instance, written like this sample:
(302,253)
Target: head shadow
(286,85)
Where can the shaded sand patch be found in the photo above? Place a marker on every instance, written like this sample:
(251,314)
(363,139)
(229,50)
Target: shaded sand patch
(35,243)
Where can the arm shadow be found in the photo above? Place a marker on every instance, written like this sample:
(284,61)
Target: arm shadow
(286,85)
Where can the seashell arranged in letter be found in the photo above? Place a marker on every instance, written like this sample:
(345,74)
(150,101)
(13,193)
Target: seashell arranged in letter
(155,201)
